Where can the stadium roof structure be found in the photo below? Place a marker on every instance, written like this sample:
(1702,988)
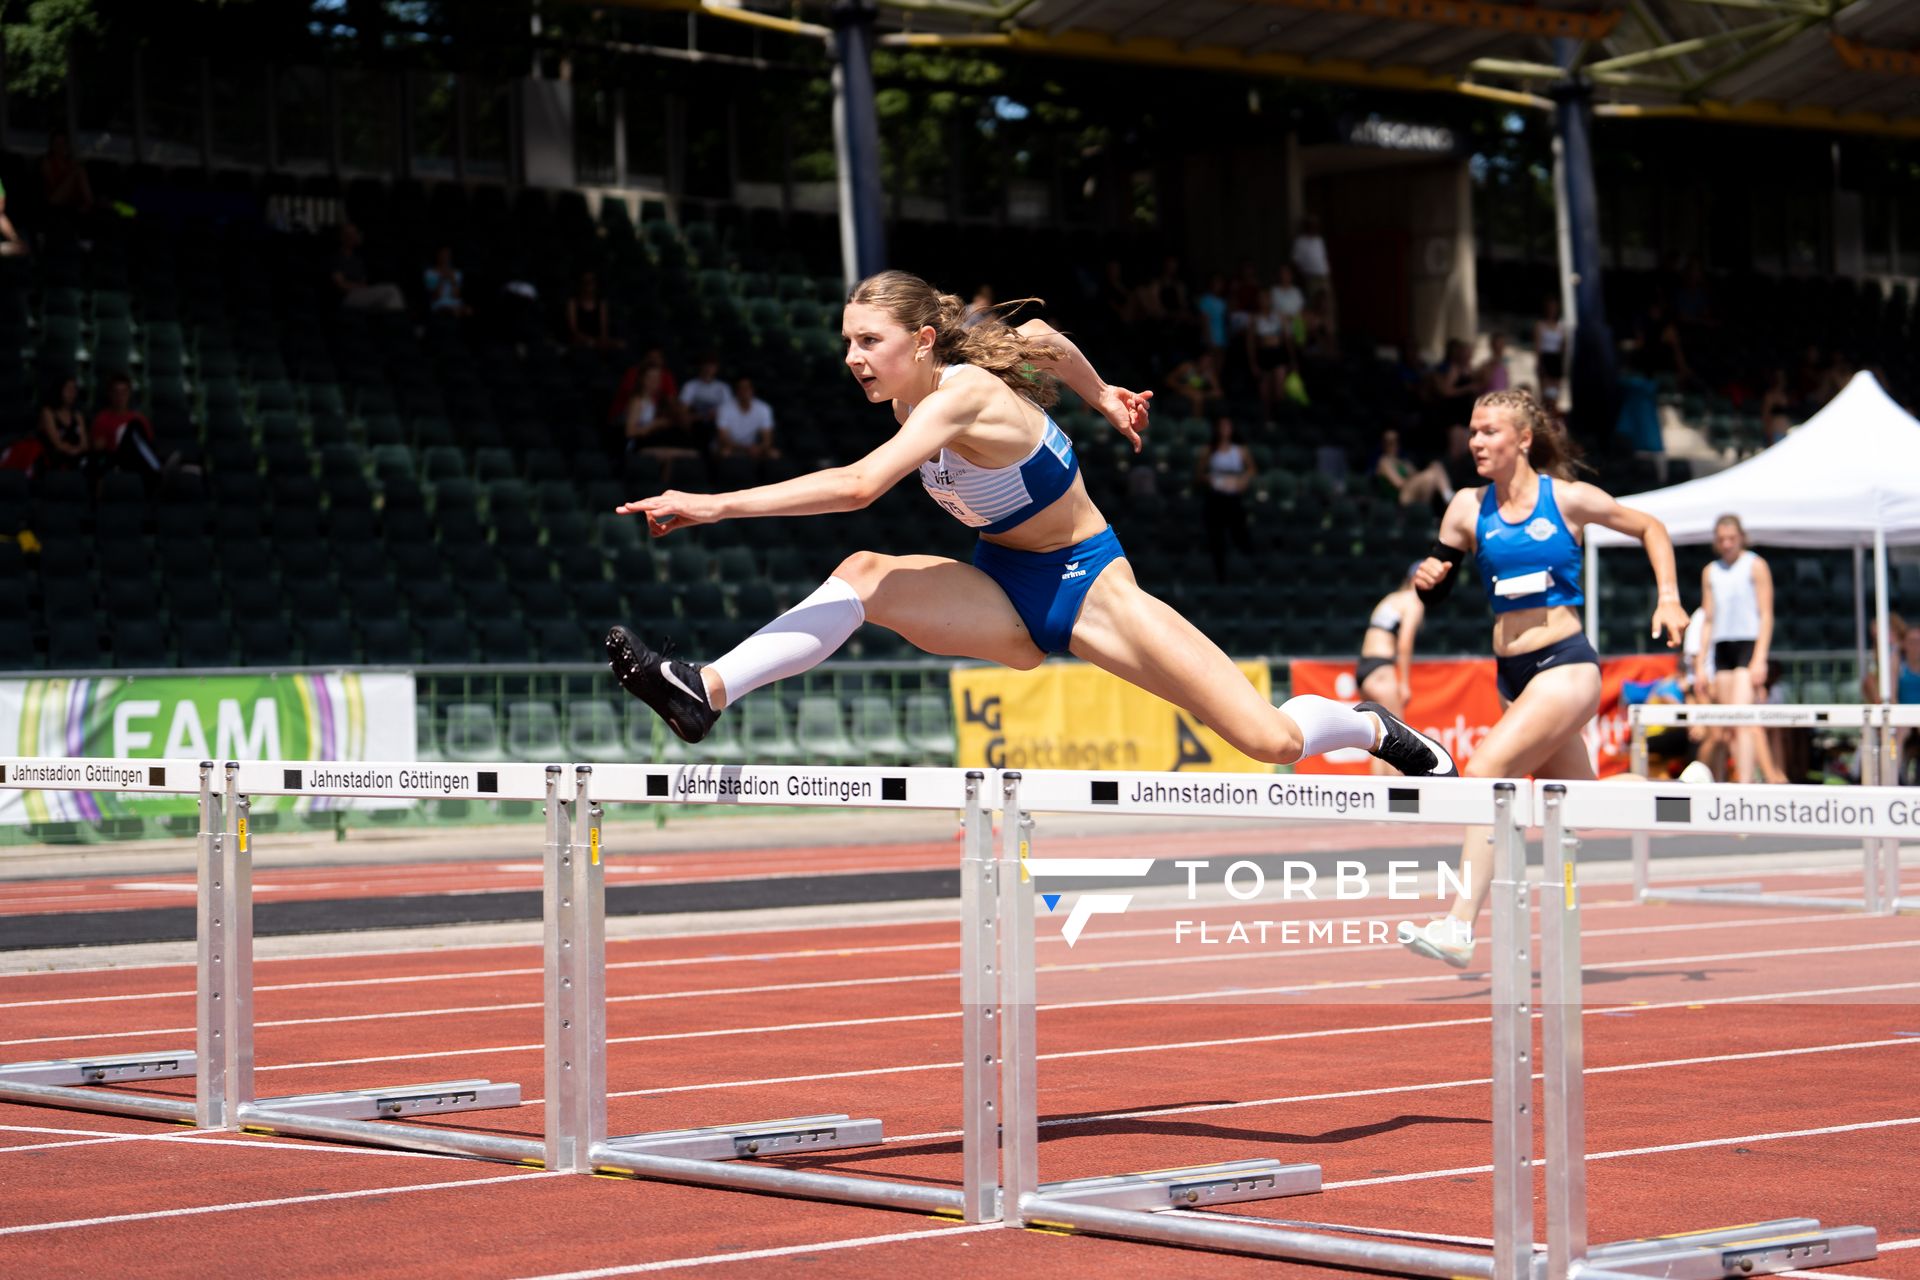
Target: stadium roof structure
(1844,65)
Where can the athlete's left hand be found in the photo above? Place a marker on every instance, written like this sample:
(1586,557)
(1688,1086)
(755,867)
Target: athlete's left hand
(673,510)
(1669,617)
(1126,410)
(1757,672)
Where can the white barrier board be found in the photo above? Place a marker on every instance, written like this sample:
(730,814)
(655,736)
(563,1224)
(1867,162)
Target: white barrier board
(1310,797)
(1846,812)
(409,779)
(825,786)
(25,773)
(1808,716)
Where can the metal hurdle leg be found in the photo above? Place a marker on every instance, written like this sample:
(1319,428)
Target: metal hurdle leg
(355,1115)
(722,1155)
(1127,1206)
(1721,1253)
(59,1082)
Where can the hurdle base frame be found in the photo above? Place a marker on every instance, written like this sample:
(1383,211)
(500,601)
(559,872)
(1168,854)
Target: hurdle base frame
(799,1135)
(1192,1187)
(1713,1253)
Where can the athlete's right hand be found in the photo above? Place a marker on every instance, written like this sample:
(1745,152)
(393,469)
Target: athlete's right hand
(673,510)
(1126,410)
(1431,570)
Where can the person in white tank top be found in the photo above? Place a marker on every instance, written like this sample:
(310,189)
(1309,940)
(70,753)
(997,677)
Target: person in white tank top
(1736,595)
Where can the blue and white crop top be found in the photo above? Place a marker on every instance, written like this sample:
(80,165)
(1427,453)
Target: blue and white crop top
(996,499)
(1532,564)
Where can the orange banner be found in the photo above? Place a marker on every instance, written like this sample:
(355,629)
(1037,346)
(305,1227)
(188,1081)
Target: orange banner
(1456,702)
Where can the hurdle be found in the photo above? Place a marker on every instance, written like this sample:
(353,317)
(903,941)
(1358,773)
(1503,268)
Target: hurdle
(367,1115)
(1135,1206)
(724,1155)
(1880,858)
(68,1082)
(1784,1244)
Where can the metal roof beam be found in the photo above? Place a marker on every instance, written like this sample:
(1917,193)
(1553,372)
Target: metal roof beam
(1886,62)
(1754,53)
(1684,48)
(1519,19)
(1769,6)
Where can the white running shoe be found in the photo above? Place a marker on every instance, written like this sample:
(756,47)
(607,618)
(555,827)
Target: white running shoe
(1444,939)
(1696,774)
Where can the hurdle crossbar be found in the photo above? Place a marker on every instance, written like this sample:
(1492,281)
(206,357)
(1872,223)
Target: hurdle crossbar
(1877,726)
(71,1082)
(1719,1253)
(726,1155)
(1132,1206)
(369,1115)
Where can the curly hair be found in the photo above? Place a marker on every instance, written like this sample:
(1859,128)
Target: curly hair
(1553,452)
(982,338)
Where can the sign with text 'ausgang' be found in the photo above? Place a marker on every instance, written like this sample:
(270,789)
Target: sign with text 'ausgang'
(780,785)
(1740,810)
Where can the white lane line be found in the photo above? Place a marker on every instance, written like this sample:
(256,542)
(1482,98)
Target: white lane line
(72,1224)
(35,1128)
(1148,1113)
(1628,1152)
(785,1251)
(225,1138)
(1238,993)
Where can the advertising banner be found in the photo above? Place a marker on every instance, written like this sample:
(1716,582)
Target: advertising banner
(1456,702)
(336,716)
(1069,715)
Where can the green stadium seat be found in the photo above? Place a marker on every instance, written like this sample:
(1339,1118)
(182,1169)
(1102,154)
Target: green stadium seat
(822,732)
(386,642)
(876,730)
(765,732)
(203,642)
(74,645)
(444,638)
(328,642)
(266,642)
(472,733)
(138,642)
(533,731)
(593,732)
(930,727)
(17,649)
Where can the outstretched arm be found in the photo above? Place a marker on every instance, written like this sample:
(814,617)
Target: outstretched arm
(1585,504)
(1126,410)
(928,429)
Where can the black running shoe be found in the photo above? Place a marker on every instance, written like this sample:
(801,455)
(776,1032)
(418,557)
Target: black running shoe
(1407,749)
(673,689)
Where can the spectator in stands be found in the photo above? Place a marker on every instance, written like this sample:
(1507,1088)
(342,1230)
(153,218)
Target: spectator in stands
(11,245)
(1313,332)
(1399,481)
(588,324)
(1225,467)
(1692,303)
(1212,306)
(65,443)
(1660,346)
(1243,298)
(64,186)
(1197,381)
(1550,352)
(658,426)
(444,283)
(1269,352)
(1493,375)
(744,425)
(122,433)
(1287,298)
(1776,408)
(1907,693)
(1115,294)
(1455,383)
(1310,258)
(1638,424)
(705,395)
(349,275)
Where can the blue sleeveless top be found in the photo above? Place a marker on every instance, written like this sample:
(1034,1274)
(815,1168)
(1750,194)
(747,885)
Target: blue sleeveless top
(1541,543)
(995,499)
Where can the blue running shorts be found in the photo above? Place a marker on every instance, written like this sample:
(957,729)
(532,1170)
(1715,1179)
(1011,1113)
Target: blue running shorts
(1048,587)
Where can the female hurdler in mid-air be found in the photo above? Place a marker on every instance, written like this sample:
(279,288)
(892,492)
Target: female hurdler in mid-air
(1048,574)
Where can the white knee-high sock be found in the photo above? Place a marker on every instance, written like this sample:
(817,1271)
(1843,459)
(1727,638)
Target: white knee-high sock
(1326,725)
(801,638)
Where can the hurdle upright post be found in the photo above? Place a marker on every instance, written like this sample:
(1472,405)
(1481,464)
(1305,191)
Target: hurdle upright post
(1562,1041)
(210,964)
(1512,980)
(1637,765)
(980,1010)
(235,902)
(559,923)
(1019,1045)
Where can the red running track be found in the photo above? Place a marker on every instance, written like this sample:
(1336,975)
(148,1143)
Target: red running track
(1741,1065)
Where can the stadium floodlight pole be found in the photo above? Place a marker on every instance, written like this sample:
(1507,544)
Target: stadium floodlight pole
(856,139)
(1593,376)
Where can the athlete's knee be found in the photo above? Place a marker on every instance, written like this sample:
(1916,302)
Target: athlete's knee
(1482,765)
(1278,741)
(863,571)
(1026,659)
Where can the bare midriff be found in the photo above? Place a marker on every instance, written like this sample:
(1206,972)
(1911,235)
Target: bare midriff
(1526,630)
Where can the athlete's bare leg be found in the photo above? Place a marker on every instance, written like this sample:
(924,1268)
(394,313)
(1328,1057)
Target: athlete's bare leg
(1735,689)
(1539,734)
(1142,640)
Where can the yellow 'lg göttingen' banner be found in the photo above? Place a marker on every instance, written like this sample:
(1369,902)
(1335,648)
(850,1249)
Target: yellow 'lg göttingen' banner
(1068,715)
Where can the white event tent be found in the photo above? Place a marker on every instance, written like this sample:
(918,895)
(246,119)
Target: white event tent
(1848,477)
